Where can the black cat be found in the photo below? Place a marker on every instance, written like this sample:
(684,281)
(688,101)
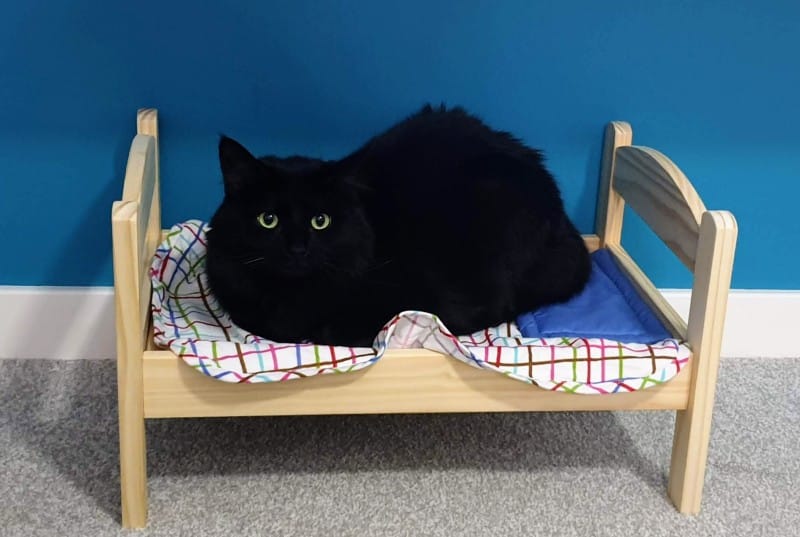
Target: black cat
(440,213)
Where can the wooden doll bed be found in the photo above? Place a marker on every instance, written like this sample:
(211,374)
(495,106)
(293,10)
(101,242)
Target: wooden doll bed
(154,383)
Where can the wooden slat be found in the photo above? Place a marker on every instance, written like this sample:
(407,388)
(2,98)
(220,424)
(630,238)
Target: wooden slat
(610,205)
(715,253)
(661,194)
(650,294)
(403,381)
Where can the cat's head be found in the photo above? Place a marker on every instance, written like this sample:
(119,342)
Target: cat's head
(294,217)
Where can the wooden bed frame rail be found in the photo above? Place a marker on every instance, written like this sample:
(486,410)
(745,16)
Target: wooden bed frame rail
(153,383)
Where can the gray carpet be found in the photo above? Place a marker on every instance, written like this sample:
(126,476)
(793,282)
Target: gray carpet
(438,475)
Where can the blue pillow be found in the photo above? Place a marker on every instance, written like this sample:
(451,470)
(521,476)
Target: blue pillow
(608,307)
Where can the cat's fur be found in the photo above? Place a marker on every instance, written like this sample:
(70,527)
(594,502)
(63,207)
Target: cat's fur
(440,213)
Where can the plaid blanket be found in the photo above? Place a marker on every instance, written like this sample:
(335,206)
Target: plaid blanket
(188,320)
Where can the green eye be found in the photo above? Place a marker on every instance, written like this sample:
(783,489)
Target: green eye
(321,221)
(267,220)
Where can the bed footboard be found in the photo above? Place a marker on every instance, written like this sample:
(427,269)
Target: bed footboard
(136,231)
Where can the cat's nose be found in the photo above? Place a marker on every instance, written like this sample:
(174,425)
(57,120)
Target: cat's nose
(297,249)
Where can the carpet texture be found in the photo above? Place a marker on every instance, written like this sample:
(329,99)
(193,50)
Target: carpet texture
(431,475)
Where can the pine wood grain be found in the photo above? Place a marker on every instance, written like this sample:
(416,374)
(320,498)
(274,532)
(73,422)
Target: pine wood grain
(130,346)
(610,205)
(718,232)
(403,381)
(661,194)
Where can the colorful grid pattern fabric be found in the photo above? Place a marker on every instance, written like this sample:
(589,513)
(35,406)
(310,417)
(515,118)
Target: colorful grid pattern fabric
(188,320)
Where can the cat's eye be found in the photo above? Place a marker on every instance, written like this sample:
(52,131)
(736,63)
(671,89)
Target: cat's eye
(321,221)
(267,220)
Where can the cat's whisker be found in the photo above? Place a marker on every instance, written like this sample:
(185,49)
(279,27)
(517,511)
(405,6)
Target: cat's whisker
(254,260)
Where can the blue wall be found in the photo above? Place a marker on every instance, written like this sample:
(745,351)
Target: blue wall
(712,84)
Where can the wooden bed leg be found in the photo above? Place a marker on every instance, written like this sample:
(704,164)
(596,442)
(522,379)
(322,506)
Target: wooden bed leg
(130,356)
(714,262)
(132,448)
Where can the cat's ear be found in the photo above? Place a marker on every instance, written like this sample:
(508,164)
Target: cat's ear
(239,167)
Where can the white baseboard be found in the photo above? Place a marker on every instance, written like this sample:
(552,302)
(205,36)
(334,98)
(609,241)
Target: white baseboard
(758,323)
(64,323)
(78,322)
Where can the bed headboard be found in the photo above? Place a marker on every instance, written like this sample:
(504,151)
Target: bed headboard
(136,225)
(654,187)
(659,192)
